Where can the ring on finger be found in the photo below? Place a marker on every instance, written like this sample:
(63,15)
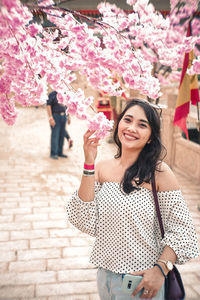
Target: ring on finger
(146,292)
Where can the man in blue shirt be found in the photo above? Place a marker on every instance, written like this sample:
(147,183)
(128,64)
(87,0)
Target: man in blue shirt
(57,121)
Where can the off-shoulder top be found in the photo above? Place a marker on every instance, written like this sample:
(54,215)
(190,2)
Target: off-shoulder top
(126,227)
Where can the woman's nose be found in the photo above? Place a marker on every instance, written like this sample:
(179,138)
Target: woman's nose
(132,127)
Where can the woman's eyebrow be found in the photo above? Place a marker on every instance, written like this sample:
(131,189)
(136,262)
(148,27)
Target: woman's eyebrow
(141,120)
(144,121)
(128,116)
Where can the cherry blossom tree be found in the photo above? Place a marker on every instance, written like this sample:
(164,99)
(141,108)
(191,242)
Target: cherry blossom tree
(117,46)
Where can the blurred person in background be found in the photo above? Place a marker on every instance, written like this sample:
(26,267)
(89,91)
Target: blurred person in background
(57,120)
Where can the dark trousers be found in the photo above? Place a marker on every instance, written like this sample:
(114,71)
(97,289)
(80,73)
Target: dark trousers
(67,136)
(57,134)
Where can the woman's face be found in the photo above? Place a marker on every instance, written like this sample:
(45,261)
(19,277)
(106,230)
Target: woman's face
(134,130)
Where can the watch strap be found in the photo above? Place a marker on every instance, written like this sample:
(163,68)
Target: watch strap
(164,262)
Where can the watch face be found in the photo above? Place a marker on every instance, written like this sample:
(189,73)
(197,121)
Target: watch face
(169,265)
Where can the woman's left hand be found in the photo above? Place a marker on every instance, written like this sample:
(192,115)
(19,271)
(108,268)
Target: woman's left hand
(152,281)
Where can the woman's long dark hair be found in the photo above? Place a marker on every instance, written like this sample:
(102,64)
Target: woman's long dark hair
(143,169)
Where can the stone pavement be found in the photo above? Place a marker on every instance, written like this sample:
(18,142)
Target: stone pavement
(42,256)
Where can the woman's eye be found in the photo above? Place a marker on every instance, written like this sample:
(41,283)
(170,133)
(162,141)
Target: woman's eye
(127,119)
(143,125)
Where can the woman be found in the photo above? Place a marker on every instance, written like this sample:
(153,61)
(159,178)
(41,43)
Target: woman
(115,204)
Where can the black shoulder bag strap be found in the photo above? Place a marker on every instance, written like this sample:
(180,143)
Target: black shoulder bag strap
(153,184)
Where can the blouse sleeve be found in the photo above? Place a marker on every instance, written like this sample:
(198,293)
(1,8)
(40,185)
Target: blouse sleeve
(179,230)
(84,215)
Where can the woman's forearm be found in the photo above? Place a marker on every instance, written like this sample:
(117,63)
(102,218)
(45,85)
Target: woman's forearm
(168,254)
(86,189)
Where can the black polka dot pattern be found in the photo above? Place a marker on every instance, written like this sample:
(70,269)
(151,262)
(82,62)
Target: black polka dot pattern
(126,227)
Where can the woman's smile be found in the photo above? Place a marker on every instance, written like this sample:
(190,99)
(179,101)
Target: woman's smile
(130,136)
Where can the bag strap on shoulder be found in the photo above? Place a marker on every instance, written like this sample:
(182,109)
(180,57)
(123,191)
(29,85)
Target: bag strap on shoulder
(153,184)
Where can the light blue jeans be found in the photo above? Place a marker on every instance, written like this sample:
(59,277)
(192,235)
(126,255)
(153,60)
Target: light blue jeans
(109,287)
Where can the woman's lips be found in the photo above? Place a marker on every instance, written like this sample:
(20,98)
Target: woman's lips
(130,136)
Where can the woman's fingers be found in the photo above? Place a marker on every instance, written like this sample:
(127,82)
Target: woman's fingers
(147,294)
(141,273)
(90,140)
(89,133)
(93,140)
(138,288)
(90,146)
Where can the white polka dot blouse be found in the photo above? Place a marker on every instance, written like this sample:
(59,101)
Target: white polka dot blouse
(126,227)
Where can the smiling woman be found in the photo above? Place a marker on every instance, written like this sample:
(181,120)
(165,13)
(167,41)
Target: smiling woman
(141,121)
(115,204)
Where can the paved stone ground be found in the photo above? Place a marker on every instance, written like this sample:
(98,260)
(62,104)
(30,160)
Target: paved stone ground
(42,256)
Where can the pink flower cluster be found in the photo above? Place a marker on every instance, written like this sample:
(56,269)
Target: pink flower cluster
(161,40)
(120,46)
(195,68)
(100,124)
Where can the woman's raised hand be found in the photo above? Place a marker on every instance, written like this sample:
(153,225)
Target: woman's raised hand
(90,146)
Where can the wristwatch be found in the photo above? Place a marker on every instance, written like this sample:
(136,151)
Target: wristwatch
(168,264)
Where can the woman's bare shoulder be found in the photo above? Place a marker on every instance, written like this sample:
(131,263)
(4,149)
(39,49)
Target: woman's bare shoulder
(101,165)
(166,179)
(104,167)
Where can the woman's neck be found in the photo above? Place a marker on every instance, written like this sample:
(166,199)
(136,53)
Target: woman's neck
(128,158)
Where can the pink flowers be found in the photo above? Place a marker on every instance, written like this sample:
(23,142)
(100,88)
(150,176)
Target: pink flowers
(195,68)
(33,30)
(4,85)
(31,57)
(7,110)
(100,124)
